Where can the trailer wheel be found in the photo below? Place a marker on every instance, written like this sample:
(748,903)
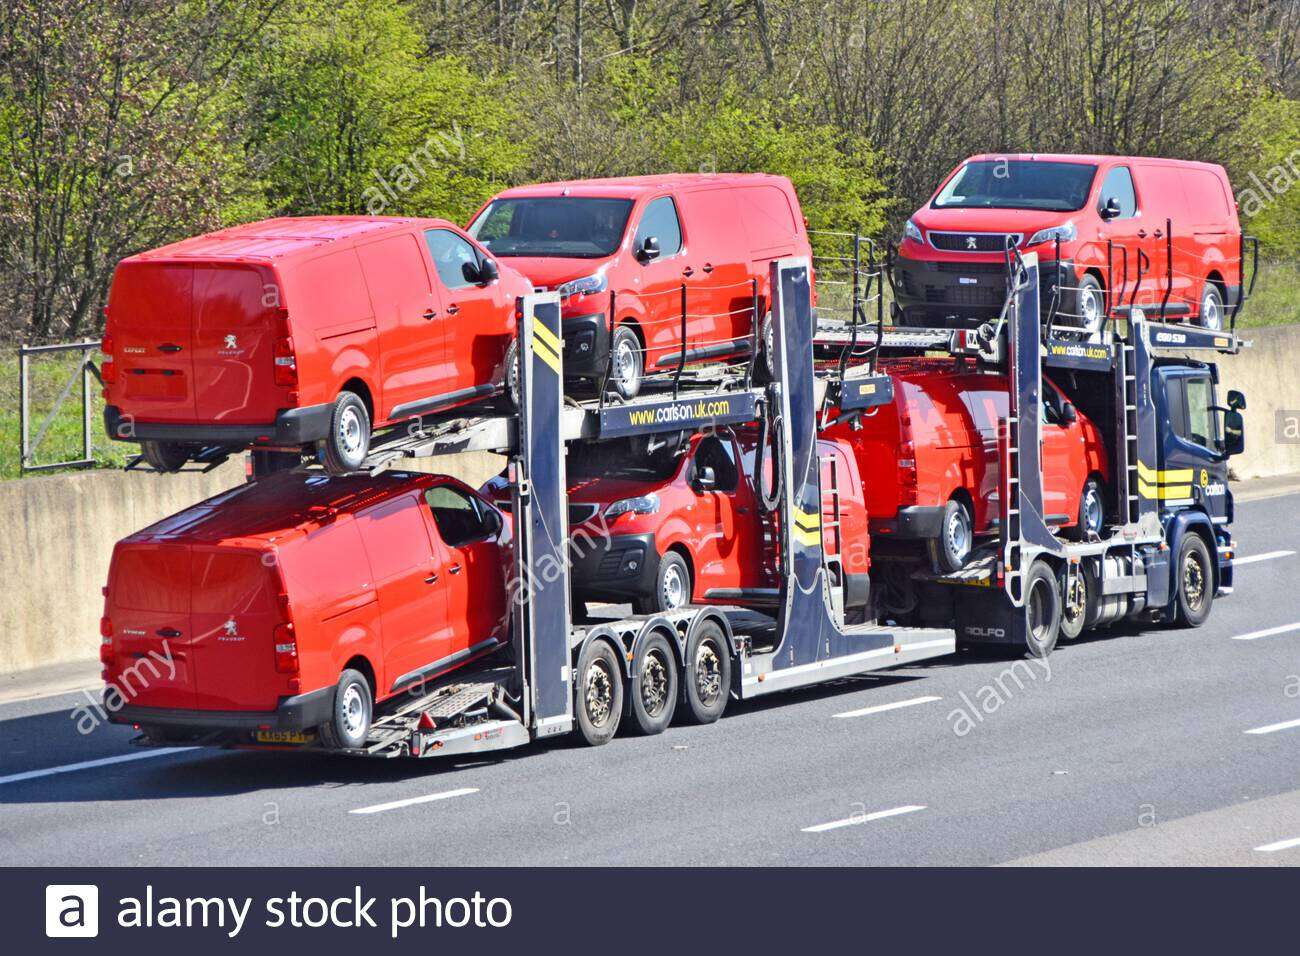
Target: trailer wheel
(707,679)
(348,442)
(654,691)
(354,706)
(956,537)
(1042,609)
(1078,603)
(1195,581)
(599,692)
(165,456)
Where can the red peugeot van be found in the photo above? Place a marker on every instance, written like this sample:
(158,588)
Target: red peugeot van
(930,459)
(674,520)
(648,238)
(1179,216)
(294,332)
(288,607)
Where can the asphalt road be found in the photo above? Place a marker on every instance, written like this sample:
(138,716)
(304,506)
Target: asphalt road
(1156,746)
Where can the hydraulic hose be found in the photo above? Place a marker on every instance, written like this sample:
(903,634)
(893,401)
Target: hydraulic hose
(769,430)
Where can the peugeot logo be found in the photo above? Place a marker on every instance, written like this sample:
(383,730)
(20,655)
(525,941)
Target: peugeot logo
(972,242)
(232,629)
(231,342)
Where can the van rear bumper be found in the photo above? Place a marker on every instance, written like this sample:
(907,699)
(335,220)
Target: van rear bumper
(918,521)
(292,426)
(294,713)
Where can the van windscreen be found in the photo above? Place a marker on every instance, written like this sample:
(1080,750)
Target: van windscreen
(1017,184)
(567,227)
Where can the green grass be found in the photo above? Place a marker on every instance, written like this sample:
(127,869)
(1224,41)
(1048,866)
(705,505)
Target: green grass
(1276,300)
(63,438)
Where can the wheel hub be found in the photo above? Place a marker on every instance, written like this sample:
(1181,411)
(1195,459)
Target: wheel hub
(599,693)
(708,673)
(349,431)
(1194,582)
(674,589)
(354,710)
(654,684)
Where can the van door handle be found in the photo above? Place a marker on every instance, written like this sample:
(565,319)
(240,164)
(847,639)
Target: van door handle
(1142,233)
(742,510)
(708,267)
(430,313)
(432,579)
(454,569)
(1159,233)
(688,272)
(169,347)
(167,632)
(453,309)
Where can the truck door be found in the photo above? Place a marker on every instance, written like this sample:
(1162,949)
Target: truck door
(1192,468)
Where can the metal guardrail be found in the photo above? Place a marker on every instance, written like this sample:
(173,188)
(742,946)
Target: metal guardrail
(85,370)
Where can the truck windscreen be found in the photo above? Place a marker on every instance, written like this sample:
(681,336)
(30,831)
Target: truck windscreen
(569,227)
(1018,184)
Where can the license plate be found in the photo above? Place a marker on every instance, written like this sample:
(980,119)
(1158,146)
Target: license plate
(283,737)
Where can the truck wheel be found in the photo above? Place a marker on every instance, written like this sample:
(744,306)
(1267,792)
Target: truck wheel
(672,587)
(1042,609)
(353,708)
(1211,316)
(654,692)
(1091,311)
(956,537)
(1195,580)
(628,366)
(707,680)
(165,456)
(599,693)
(1078,603)
(1092,513)
(348,442)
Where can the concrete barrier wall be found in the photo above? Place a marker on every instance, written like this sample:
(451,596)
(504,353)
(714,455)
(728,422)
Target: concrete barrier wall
(58,534)
(1268,374)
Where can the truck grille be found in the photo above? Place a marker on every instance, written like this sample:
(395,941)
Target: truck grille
(973,241)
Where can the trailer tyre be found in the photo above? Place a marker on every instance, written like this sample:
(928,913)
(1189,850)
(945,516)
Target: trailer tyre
(707,678)
(654,690)
(956,537)
(1042,610)
(165,456)
(1078,602)
(348,442)
(354,707)
(599,693)
(1195,581)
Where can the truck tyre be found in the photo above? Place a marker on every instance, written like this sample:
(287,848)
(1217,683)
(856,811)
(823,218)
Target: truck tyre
(354,707)
(628,366)
(598,693)
(1042,609)
(654,690)
(1091,520)
(348,442)
(165,456)
(1078,603)
(1211,313)
(956,537)
(707,678)
(672,587)
(1090,313)
(1194,579)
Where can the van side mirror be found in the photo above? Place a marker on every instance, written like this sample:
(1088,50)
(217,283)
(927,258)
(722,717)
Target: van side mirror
(491,521)
(649,249)
(1110,209)
(1069,414)
(705,478)
(1236,400)
(1234,433)
(483,273)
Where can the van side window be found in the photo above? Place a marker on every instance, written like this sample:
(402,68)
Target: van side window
(459,517)
(451,254)
(660,220)
(1119,186)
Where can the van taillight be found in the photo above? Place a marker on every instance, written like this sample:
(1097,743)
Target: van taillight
(906,473)
(286,364)
(107,657)
(107,368)
(286,649)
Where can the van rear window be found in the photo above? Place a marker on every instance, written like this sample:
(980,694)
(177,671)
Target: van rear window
(1017,184)
(232,582)
(568,227)
(152,579)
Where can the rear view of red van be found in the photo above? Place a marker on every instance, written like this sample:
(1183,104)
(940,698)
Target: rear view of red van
(294,333)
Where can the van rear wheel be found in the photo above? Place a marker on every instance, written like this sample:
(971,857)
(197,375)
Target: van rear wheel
(354,707)
(956,537)
(348,442)
(165,456)
(1211,316)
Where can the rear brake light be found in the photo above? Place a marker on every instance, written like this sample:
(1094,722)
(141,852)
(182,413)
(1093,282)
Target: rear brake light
(286,649)
(286,363)
(107,368)
(107,657)
(906,473)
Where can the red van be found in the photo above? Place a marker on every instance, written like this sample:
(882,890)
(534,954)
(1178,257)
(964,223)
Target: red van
(290,606)
(647,238)
(294,332)
(1180,216)
(675,520)
(930,459)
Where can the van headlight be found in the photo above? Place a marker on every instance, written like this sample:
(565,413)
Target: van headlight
(587,285)
(1065,233)
(640,505)
(912,231)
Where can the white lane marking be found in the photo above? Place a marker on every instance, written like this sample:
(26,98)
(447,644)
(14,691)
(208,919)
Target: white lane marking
(881,708)
(1268,632)
(398,804)
(1267,556)
(1279,845)
(1271,728)
(865,818)
(89,764)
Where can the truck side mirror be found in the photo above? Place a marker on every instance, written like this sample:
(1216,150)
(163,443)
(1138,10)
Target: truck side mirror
(1234,433)
(1236,400)
(649,249)
(1110,209)
(705,478)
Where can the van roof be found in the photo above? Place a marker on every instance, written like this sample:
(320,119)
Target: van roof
(632,187)
(260,512)
(279,240)
(1095,158)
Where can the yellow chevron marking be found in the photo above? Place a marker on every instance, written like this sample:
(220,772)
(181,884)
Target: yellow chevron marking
(1163,492)
(807,520)
(1147,473)
(550,338)
(809,539)
(546,354)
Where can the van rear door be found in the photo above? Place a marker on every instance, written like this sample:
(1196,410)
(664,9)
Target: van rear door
(149,606)
(235,326)
(149,311)
(234,614)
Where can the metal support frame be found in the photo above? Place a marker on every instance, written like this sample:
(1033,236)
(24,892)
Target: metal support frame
(85,371)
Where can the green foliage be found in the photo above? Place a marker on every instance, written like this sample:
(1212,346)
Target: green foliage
(1268,185)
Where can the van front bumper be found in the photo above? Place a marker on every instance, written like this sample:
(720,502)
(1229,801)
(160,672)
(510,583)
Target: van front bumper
(293,714)
(586,345)
(621,565)
(292,426)
(954,294)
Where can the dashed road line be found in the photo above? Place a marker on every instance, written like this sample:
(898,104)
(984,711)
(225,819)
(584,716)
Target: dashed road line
(863,818)
(1267,556)
(1279,845)
(1273,728)
(1268,632)
(91,764)
(881,708)
(412,801)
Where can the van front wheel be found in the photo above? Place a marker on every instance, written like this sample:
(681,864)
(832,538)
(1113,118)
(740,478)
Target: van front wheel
(348,442)
(354,707)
